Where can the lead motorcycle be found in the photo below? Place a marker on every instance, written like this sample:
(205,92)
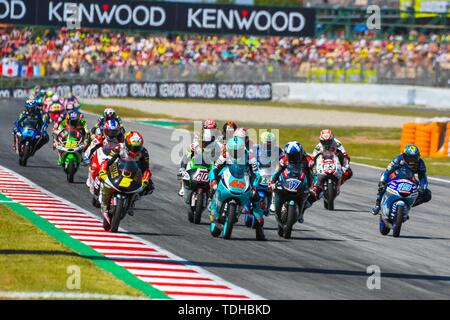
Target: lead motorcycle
(292,192)
(401,193)
(125,180)
(233,192)
(100,155)
(329,174)
(27,138)
(196,183)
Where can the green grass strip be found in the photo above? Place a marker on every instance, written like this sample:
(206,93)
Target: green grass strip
(99,259)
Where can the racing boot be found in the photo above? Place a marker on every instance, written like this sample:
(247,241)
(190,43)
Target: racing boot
(377,208)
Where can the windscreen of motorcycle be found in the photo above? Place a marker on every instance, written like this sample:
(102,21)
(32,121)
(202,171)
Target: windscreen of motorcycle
(125,175)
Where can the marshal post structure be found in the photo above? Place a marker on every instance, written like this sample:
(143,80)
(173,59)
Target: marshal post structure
(161,16)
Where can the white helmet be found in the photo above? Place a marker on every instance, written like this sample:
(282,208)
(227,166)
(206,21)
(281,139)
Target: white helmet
(55,98)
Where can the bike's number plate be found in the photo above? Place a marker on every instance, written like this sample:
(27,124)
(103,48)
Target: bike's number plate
(71,144)
(201,176)
(125,182)
(292,184)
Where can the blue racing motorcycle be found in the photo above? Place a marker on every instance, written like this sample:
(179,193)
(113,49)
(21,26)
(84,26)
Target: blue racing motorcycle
(401,193)
(27,137)
(233,192)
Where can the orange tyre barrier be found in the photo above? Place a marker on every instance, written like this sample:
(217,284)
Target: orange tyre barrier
(432,139)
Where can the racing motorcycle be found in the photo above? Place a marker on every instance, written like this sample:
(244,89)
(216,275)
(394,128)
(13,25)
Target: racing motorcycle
(27,139)
(196,182)
(233,192)
(70,146)
(329,173)
(292,192)
(401,193)
(125,180)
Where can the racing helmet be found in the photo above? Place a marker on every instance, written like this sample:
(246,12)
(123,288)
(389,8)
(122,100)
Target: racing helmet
(109,114)
(70,106)
(39,101)
(209,124)
(55,98)
(294,152)
(134,143)
(268,139)
(411,154)
(73,118)
(49,94)
(111,129)
(30,105)
(326,138)
(236,150)
(242,133)
(228,129)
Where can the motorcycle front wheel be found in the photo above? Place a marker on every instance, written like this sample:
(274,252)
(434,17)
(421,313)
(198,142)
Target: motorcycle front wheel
(71,168)
(291,218)
(228,225)
(398,222)
(117,215)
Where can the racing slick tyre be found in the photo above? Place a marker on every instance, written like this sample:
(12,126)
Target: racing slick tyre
(70,171)
(384,230)
(290,222)
(117,216)
(198,209)
(398,222)
(228,225)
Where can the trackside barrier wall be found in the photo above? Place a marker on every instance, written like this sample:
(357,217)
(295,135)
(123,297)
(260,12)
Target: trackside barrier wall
(432,138)
(362,94)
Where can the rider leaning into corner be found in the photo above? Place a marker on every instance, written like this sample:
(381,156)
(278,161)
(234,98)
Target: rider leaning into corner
(111,137)
(409,158)
(237,153)
(328,142)
(205,150)
(294,155)
(31,112)
(132,149)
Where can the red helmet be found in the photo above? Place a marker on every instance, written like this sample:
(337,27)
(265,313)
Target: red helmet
(134,142)
(209,124)
(326,138)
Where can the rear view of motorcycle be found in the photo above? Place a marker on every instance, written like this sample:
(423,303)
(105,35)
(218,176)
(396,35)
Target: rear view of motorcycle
(125,181)
(329,173)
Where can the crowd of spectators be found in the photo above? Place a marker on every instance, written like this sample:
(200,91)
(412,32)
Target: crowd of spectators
(87,51)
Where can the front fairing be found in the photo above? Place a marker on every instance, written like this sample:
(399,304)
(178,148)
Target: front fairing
(398,190)
(125,176)
(234,183)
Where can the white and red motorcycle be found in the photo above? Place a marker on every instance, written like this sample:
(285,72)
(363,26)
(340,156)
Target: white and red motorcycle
(329,174)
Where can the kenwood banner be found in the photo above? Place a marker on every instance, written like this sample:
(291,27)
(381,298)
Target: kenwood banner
(160,16)
(169,90)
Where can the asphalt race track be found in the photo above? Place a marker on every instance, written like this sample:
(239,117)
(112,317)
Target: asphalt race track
(327,258)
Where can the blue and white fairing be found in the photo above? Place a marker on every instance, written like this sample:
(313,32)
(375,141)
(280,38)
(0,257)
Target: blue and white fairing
(399,192)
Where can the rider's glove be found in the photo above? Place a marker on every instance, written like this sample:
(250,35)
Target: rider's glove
(311,163)
(102,175)
(213,185)
(145,183)
(381,186)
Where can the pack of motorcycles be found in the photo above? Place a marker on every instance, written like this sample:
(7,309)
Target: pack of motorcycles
(235,188)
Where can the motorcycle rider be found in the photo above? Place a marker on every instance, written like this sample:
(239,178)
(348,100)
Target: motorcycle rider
(228,130)
(236,153)
(109,139)
(31,112)
(207,150)
(328,142)
(132,149)
(108,114)
(410,159)
(268,154)
(75,120)
(295,155)
(72,99)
